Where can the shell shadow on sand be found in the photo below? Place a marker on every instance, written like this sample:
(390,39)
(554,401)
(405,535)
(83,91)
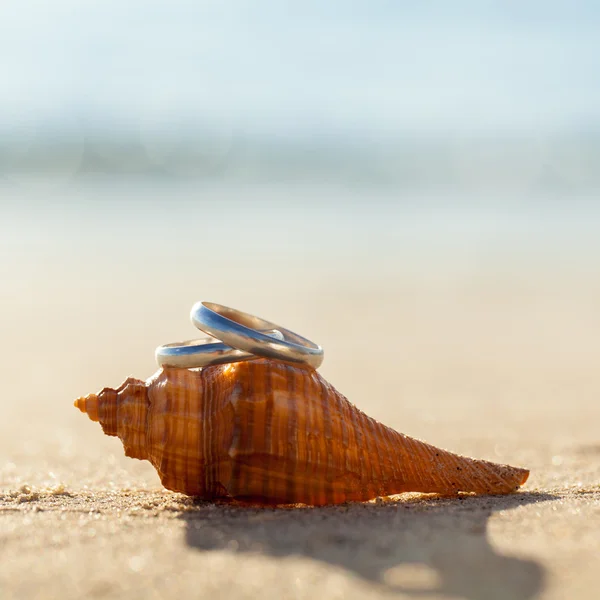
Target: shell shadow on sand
(420,546)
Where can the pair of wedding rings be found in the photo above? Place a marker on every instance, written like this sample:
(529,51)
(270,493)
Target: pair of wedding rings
(236,336)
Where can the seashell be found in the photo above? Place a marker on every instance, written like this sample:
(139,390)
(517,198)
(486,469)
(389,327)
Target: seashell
(274,433)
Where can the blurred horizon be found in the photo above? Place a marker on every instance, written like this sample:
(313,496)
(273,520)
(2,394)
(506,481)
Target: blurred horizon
(560,165)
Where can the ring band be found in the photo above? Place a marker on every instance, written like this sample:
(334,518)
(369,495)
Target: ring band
(246,333)
(203,352)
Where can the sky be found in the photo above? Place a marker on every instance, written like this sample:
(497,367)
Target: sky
(298,69)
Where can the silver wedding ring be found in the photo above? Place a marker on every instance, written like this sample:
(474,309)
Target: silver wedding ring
(202,353)
(236,336)
(246,332)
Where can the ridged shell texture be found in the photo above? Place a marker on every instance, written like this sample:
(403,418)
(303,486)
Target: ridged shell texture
(274,433)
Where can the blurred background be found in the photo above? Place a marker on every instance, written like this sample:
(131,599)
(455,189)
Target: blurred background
(414,187)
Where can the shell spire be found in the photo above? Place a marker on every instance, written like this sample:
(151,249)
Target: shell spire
(88,405)
(276,433)
(120,412)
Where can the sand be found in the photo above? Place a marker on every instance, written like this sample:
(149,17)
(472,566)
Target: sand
(496,363)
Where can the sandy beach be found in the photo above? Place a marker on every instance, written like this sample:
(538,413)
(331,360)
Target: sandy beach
(414,186)
(495,358)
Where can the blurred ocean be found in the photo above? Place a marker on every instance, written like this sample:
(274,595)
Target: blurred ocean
(492,96)
(358,139)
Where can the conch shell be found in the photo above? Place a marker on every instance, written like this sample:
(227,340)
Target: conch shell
(274,433)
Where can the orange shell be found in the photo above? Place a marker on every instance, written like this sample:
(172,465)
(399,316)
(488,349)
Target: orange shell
(270,432)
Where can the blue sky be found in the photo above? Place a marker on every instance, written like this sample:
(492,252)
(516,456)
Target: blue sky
(289,69)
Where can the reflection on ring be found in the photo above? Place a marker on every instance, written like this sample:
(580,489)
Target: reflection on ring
(203,352)
(245,332)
